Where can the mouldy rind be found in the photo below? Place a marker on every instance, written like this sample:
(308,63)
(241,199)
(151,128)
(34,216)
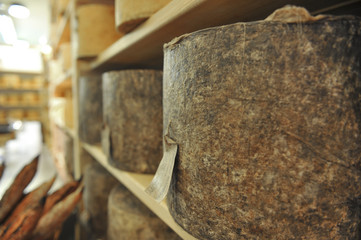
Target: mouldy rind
(267,119)
(132,131)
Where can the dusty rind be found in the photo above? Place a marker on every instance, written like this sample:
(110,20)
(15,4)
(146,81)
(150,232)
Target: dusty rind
(98,184)
(129,218)
(267,118)
(90,109)
(173,43)
(133,117)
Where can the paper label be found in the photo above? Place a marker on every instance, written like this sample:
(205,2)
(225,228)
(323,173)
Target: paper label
(159,186)
(106,142)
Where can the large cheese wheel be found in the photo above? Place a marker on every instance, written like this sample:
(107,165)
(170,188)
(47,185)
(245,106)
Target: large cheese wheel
(90,108)
(132,108)
(267,118)
(130,219)
(130,13)
(98,183)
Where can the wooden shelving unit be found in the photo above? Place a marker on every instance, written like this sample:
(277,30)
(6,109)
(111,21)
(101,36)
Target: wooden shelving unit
(185,16)
(10,90)
(143,48)
(137,183)
(21,107)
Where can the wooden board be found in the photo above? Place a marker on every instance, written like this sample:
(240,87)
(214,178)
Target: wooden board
(144,46)
(137,183)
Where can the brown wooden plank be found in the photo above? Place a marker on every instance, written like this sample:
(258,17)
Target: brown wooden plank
(144,46)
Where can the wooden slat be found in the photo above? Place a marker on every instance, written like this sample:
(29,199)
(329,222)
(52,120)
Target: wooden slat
(82,2)
(9,108)
(63,29)
(144,46)
(137,183)
(11,90)
(66,129)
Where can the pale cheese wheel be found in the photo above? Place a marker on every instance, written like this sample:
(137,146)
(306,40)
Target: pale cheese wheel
(96,29)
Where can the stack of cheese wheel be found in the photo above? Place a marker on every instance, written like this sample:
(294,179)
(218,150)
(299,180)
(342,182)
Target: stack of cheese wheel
(132,109)
(98,183)
(90,108)
(267,118)
(130,219)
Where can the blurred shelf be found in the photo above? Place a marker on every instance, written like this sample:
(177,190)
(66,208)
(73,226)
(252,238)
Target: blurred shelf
(137,183)
(18,107)
(143,47)
(63,77)
(66,129)
(63,29)
(82,2)
(21,73)
(24,90)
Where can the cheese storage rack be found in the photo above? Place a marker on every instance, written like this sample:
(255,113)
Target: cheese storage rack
(23,97)
(143,48)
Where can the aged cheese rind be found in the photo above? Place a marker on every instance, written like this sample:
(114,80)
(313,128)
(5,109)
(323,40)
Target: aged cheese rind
(90,108)
(132,103)
(267,118)
(98,183)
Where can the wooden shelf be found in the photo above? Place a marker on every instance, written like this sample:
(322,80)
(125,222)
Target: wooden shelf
(66,129)
(143,47)
(63,77)
(22,73)
(137,183)
(14,90)
(63,29)
(82,2)
(16,107)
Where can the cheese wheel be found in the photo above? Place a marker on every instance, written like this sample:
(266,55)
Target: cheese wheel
(90,108)
(132,109)
(96,29)
(130,219)
(267,118)
(98,183)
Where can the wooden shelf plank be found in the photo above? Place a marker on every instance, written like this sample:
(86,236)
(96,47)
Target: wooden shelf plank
(143,47)
(22,73)
(66,129)
(37,107)
(63,29)
(137,183)
(24,90)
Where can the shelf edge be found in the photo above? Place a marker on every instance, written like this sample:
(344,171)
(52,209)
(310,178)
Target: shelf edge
(137,183)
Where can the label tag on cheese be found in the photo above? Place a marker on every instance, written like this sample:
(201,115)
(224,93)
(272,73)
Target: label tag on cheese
(159,186)
(106,141)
